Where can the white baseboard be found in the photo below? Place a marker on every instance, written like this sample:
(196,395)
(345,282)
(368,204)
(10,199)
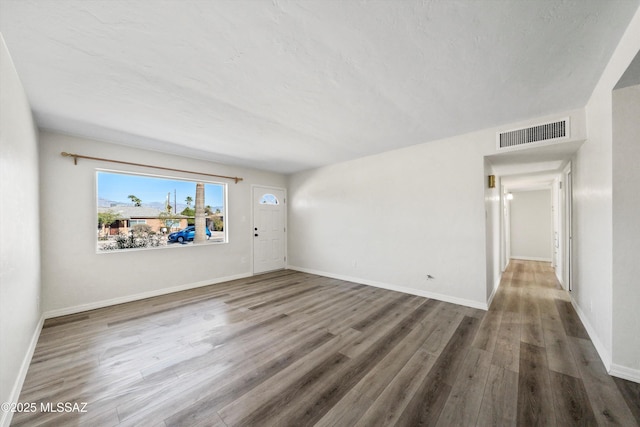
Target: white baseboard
(129,298)
(494,291)
(600,348)
(625,373)
(613,369)
(411,291)
(531,258)
(5,417)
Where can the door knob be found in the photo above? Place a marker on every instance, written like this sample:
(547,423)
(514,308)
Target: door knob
(256,234)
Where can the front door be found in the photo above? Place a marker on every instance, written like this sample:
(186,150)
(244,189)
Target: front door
(268,229)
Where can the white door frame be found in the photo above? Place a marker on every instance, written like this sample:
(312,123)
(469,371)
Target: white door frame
(568,255)
(505,215)
(268,187)
(564,213)
(559,212)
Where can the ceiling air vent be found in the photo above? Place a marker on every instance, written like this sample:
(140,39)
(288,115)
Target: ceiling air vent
(548,132)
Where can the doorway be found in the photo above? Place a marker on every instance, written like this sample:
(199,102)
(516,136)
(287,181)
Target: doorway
(557,245)
(269,229)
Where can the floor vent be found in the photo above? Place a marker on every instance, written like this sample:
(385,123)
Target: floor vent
(555,132)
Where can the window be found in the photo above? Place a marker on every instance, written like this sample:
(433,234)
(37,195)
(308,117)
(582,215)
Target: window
(143,212)
(269,199)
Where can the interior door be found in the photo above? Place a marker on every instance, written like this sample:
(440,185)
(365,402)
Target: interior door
(268,229)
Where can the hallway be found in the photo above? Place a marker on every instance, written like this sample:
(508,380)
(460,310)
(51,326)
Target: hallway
(545,368)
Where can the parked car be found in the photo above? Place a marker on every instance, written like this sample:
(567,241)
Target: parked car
(186,234)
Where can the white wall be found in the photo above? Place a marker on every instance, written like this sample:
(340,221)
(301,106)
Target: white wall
(19,231)
(531,225)
(75,277)
(389,220)
(592,177)
(492,231)
(392,219)
(626,228)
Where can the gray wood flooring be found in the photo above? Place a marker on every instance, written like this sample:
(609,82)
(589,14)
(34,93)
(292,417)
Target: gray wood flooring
(294,349)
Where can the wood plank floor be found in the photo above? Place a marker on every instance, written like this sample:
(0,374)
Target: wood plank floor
(294,349)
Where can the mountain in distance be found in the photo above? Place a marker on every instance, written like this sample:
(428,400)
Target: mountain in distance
(105,203)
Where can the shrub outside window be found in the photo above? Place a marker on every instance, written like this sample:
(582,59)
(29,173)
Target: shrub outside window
(136,211)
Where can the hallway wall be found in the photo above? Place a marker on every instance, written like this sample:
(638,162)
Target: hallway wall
(593,207)
(626,229)
(531,225)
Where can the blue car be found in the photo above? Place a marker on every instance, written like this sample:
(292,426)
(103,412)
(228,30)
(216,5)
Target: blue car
(186,234)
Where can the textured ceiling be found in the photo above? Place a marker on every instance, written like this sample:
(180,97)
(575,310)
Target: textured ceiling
(631,77)
(290,85)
